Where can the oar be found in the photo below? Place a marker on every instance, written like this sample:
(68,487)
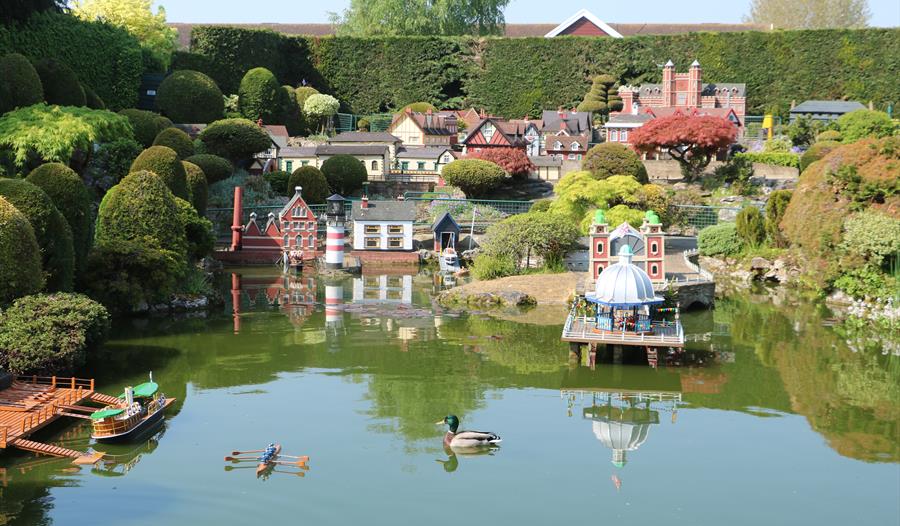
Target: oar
(239,459)
(303,458)
(299,463)
(251,451)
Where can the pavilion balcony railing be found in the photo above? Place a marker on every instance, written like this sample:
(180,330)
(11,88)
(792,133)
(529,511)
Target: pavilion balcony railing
(582,328)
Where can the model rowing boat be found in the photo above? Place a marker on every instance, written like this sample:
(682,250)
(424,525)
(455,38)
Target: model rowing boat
(268,458)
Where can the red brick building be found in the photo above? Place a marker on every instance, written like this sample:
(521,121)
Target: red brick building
(293,229)
(583,24)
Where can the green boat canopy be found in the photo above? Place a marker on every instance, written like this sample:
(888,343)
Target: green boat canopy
(145,390)
(106,413)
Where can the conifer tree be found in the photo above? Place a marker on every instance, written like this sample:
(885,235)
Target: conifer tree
(603,96)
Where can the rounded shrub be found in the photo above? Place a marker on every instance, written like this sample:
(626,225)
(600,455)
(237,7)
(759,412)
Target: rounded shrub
(177,140)
(51,333)
(91,99)
(751,226)
(829,135)
(50,229)
(363,125)
(719,240)
(110,163)
(775,207)
(198,231)
(197,186)
(164,162)
(278,181)
(146,124)
(215,168)
(815,152)
(473,176)
(20,255)
(259,96)
(345,174)
(141,208)
(290,113)
(73,200)
(60,83)
(234,139)
(188,96)
(313,182)
(608,159)
(418,107)
(20,84)
(860,124)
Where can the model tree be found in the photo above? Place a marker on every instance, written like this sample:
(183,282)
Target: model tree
(514,161)
(691,140)
(603,96)
(320,108)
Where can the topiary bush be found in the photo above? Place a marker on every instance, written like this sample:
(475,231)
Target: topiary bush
(20,255)
(418,107)
(775,207)
(20,84)
(141,208)
(51,333)
(50,229)
(198,231)
(215,168)
(177,140)
(363,125)
(313,181)
(345,174)
(751,226)
(146,124)
(73,200)
(861,124)
(301,93)
(164,162)
(289,112)
(608,159)
(473,176)
(60,83)
(197,186)
(829,135)
(110,162)
(815,152)
(278,180)
(234,139)
(91,99)
(190,97)
(259,96)
(719,240)
(124,275)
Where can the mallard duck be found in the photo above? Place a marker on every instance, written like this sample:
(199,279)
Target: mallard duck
(465,439)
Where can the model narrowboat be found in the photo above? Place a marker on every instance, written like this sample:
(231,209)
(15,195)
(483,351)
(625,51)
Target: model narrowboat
(140,410)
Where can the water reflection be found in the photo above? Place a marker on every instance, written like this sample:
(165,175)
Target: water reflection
(452,463)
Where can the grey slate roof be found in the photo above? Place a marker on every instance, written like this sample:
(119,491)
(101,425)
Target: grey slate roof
(384,211)
(736,89)
(425,152)
(577,122)
(627,118)
(301,151)
(351,149)
(358,136)
(828,106)
(445,223)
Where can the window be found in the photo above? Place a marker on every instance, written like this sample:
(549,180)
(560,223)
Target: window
(404,165)
(311,226)
(654,248)
(571,156)
(374,165)
(599,248)
(304,163)
(487,131)
(287,241)
(558,146)
(373,229)
(446,159)
(420,166)
(413,139)
(654,269)
(613,135)
(395,242)
(373,242)
(623,137)
(395,229)
(297,225)
(681,99)
(289,166)
(575,146)
(298,241)
(299,211)
(311,241)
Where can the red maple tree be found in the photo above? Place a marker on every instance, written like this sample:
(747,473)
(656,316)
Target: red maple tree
(514,161)
(692,140)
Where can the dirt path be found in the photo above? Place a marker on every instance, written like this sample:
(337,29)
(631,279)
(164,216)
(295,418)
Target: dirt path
(546,289)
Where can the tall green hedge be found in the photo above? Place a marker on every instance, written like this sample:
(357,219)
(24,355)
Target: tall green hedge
(103,56)
(515,76)
(60,82)
(20,255)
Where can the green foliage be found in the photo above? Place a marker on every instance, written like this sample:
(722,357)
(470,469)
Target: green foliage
(862,282)
(802,131)
(289,112)
(777,144)
(177,140)
(41,133)
(198,188)
(791,160)
(164,162)
(20,255)
(719,240)
(110,163)
(91,99)
(20,84)
(579,192)
(258,96)
(60,83)
(123,274)
(473,176)
(50,229)
(872,236)
(809,14)
(541,205)
(492,267)
(214,167)
(603,97)
(319,107)
(775,208)
(751,226)
(619,214)
(422,17)
(861,124)
(345,174)
(738,172)
(312,180)
(190,97)
(519,237)
(302,93)
(146,125)
(418,107)
(103,56)
(257,191)
(607,159)
(198,231)
(816,151)
(278,181)
(363,125)
(157,38)
(51,333)
(73,200)
(142,209)
(829,135)
(234,139)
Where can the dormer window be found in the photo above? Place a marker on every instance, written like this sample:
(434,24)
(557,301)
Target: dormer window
(487,131)
(558,145)
(575,146)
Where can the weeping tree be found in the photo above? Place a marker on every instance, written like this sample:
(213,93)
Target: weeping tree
(603,97)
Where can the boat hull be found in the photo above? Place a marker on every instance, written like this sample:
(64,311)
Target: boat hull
(145,426)
(262,467)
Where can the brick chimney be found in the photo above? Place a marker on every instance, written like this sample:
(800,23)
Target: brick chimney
(364,204)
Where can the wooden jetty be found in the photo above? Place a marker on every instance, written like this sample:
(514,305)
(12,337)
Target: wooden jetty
(33,402)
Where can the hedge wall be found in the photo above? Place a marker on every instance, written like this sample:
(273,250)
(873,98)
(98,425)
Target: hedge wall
(104,57)
(515,76)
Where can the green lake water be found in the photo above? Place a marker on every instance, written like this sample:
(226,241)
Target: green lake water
(778,419)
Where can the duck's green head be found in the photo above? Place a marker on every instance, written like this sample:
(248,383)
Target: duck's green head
(450,420)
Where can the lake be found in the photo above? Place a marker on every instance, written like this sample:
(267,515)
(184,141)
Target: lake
(777,418)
